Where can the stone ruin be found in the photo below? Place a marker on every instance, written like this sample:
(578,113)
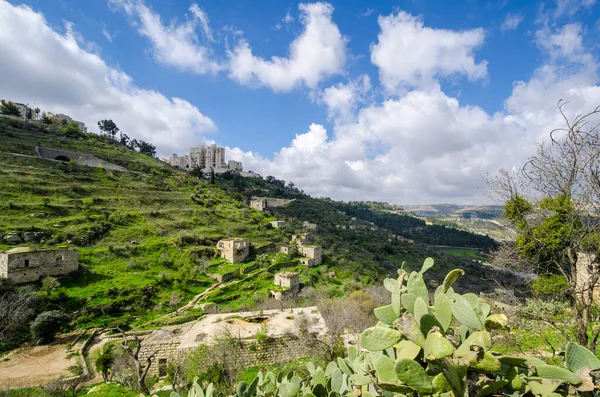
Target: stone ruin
(285,339)
(288,283)
(263,203)
(313,253)
(278,224)
(301,239)
(288,249)
(24,265)
(235,250)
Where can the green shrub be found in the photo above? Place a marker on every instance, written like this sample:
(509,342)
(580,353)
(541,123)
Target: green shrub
(553,285)
(45,327)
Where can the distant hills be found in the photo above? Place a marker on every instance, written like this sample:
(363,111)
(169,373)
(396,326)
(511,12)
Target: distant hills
(481,211)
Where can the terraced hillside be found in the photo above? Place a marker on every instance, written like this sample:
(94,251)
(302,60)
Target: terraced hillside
(143,241)
(147,238)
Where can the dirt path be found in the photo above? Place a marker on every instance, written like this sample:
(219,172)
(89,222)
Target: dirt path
(36,365)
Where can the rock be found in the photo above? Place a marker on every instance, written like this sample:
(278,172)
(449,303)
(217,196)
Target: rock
(13,238)
(28,236)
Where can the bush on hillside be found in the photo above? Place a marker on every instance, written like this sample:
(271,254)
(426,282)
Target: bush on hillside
(46,325)
(552,285)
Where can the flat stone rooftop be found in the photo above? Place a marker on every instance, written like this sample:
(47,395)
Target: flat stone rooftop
(245,325)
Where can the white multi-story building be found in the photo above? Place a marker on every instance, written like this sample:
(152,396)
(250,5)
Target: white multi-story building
(205,158)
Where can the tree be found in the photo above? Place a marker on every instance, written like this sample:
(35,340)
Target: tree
(9,108)
(124,139)
(71,129)
(212,176)
(197,172)
(45,119)
(46,325)
(146,148)
(132,347)
(16,310)
(554,203)
(109,128)
(104,361)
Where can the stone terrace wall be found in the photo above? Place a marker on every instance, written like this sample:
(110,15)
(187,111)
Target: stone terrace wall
(79,158)
(249,353)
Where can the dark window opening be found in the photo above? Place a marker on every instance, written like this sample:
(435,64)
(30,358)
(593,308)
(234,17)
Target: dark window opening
(162,367)
(62,158)
(26,262)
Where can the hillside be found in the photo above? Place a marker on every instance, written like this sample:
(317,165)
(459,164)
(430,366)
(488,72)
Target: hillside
(484,220)
(147,238)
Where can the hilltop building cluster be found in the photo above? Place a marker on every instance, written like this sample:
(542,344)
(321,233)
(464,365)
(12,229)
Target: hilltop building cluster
(27,113)
(205,158)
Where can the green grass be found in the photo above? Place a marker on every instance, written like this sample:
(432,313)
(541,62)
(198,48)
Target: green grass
(145,238)
(465,252)
(141,237)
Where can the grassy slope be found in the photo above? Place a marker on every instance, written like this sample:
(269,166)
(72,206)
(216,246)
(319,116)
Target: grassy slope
(145,244)
(103,211)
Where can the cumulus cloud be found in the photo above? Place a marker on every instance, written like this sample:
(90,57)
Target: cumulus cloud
(570,7)
(511,22)
(424,146)
(318,52)
(175,44)
(409,54)
(55,73)
(342,99)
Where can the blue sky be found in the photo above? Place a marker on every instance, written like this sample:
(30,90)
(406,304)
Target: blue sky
(401,101)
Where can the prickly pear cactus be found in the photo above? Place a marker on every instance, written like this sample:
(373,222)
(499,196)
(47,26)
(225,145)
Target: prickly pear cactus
(449,351)
(422,346)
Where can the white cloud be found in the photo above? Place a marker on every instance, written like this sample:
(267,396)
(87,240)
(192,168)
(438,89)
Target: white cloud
(319,52)
(409,54)
(288,18)
(203,19)
(564,42)
(366,13)
(424,146)
(342,99)
(53,72)
(175,44)
(107,34)
(570,7)
(511,22)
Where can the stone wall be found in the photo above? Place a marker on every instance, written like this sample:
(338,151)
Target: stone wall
(249,353)
(268,247)
(79,158)
(29,266)
(166,350)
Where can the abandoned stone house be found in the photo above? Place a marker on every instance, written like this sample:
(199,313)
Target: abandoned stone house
(235,250)
(263,203)
(278,224)
(24,265)
(285,340)
(288,249)
(288,283)
(301,239)
(309,226)
(307,262)
(258,203)
(312,252)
